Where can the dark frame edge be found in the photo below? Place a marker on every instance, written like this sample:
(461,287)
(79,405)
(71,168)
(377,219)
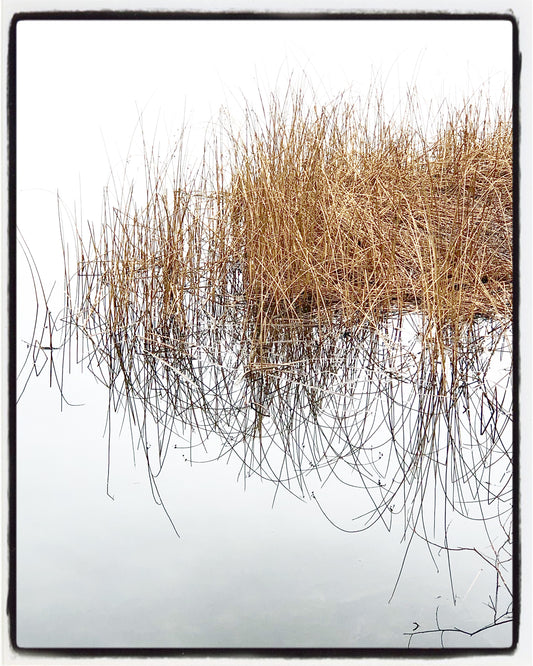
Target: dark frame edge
(11,603)
(332,14)
(105,14)
(516,119)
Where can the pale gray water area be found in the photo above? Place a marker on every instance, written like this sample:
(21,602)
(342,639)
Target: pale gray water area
(97,572)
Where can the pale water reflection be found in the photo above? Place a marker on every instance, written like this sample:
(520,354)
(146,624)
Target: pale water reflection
(96,572)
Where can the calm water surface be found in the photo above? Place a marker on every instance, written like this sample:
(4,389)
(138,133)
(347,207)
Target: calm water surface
(99,572)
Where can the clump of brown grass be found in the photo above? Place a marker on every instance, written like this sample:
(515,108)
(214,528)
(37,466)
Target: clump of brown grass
(328,282)
(333,220)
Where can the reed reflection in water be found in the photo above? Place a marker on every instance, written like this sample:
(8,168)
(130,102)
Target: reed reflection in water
(243,573)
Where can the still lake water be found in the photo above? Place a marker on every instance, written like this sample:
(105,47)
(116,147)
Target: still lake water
(99,572)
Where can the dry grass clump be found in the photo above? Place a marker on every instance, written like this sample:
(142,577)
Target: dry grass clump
(309,226)
(334,220)
(324,297)
(320,217)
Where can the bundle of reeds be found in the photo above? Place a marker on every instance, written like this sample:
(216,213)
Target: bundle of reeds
(327,284)
(336,220)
